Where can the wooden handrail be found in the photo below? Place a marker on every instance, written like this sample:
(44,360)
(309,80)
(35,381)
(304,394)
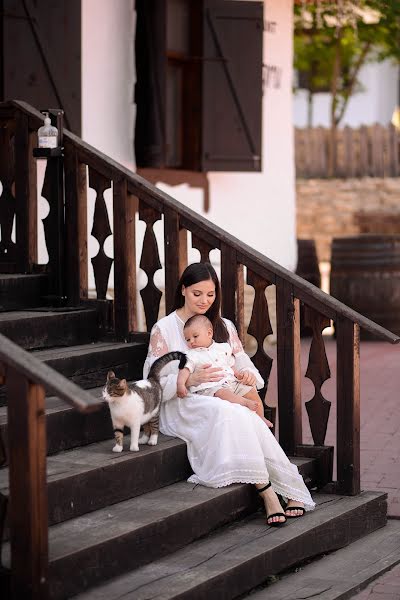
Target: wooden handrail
(36,371)
(159,200)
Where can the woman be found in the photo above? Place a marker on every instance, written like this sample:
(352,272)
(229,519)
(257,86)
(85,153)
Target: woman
(226,443)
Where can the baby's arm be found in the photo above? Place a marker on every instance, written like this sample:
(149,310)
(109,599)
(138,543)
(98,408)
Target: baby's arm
(183,376)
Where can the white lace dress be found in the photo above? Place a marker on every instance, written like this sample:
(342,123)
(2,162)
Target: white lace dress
(226,443)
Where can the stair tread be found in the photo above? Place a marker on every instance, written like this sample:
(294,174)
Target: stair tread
(28,314)
(219,553)
(53,404)
(358,564)
(94,347)
(100,456)
(92,457)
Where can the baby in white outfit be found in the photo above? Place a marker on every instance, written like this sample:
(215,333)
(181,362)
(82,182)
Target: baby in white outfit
(198,332)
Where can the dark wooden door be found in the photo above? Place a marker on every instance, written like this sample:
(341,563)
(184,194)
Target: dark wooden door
(41,55)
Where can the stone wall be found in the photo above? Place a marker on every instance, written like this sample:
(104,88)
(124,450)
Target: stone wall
(328,208)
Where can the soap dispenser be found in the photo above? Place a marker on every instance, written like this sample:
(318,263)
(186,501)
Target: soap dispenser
(47,134)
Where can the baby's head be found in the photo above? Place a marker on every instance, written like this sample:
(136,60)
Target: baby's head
(198,332)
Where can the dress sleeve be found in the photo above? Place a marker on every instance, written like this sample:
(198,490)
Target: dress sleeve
(242,360)
(158,346)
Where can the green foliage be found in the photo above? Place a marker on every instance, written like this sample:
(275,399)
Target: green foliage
(331,45)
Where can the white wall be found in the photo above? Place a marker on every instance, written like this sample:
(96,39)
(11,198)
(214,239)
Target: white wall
(259,208)
(374,104)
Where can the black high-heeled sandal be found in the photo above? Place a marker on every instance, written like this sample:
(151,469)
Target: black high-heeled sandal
(292,509)
(278,514)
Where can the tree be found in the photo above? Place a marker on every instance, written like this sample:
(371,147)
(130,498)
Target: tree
(334,40)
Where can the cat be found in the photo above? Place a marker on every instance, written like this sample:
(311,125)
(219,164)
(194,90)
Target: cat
(138,404)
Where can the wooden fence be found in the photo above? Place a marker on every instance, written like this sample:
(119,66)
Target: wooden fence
(371,151)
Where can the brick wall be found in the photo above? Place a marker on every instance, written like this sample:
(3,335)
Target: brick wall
(328,208)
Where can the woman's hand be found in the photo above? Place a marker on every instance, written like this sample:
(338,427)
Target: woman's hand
(246,377)
(204,374)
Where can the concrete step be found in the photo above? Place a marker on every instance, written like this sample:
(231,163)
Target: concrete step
(42,328)
(339,575)
(235,559)
(21,291)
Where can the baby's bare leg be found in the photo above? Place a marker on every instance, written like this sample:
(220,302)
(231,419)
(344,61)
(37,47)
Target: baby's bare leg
(183,376)
(226,394)
(253,395)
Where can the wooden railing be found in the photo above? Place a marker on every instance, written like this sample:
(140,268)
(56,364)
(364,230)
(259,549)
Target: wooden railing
(131,195)
(27,379)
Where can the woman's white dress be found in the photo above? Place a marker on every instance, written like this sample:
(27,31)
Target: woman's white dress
(226,443)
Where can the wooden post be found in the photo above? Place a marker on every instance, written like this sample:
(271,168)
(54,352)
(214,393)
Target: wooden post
(288,354)
(232,288)
(75,227)
(25,194)
(175,249)
(28,492)
(125,207)
(348,406)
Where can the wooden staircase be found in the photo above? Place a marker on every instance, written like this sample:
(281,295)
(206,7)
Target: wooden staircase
(87,522)
(130,523)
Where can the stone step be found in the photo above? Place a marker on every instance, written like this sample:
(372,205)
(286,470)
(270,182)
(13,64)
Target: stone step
(358,565)
(42,328)
(87,364)
(235,559)
(21,291)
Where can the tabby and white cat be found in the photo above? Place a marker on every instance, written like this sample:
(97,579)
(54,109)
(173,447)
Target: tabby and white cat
(139,404)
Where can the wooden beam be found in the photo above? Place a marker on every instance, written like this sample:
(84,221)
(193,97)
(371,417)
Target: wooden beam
(348,407)
(28,490)
(288,355)
(125,208)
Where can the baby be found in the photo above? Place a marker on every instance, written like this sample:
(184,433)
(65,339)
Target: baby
(198,332)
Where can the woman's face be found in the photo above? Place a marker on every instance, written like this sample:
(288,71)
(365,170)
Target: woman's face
(199,297)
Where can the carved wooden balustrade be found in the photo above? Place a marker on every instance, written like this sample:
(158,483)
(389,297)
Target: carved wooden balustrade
(134,197)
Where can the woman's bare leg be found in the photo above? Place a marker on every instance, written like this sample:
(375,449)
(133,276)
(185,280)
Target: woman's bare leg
(272,504)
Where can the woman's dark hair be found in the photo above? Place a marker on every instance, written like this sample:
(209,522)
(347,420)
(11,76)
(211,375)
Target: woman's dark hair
(195,273)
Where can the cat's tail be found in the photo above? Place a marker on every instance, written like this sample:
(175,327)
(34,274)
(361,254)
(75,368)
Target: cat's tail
(161,362)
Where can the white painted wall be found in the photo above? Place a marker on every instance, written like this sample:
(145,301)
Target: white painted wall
(374,104)
(259,208)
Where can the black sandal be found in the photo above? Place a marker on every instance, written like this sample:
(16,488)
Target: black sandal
(278,514)
(293,508)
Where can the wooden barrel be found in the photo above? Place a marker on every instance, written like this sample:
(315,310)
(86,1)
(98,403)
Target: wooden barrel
(308,269)
(365,275)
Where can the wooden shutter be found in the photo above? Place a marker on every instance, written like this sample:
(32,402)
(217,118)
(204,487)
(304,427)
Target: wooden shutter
(151,61)
(232,85)
(41,55)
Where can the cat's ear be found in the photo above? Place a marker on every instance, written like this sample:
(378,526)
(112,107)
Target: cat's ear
(123,383)
(110,375)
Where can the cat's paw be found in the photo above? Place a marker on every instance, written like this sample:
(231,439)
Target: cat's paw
(143,439)
(153,440)
(117,448)
(134,448)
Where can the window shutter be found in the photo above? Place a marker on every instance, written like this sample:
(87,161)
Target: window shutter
(150,96)
(41,55)
(232,85)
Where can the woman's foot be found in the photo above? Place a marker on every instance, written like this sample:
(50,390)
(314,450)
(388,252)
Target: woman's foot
(294,509)
(273,508)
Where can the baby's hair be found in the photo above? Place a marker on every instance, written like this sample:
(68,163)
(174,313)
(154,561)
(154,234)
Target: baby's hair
(200,319)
